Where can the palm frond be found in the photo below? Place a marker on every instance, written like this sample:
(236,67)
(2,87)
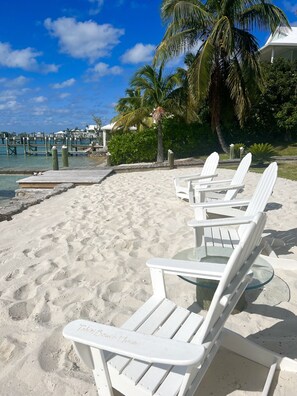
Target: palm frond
(263,15)
(178,43)
(182,10)
(201,70)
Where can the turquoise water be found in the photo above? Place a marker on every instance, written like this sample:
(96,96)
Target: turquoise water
(8,186)
(29,163)
(39,162)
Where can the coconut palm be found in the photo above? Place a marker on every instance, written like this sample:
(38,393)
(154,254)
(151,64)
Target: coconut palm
(226,65)
(154,100)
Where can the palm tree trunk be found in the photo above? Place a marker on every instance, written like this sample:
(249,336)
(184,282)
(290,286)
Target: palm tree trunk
(216,106)
(221,138)
(160,153)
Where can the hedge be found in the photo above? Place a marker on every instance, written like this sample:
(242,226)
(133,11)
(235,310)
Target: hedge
(184,140)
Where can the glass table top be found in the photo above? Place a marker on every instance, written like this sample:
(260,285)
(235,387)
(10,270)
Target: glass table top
(262,270)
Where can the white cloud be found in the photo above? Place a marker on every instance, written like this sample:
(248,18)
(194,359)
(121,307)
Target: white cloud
(64,84)
(14,82)
(64,95)
(24,59)
(8,95)
(62,111)
(103,69)
(39,99)
(10,105)
(97,4)
(139,53)
(84,39)
(39,110)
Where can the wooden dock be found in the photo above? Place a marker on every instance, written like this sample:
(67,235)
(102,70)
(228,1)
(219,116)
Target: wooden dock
(50,179)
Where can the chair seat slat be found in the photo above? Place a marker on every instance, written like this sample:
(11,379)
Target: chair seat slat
(156,373)
(136,369)
(149,326)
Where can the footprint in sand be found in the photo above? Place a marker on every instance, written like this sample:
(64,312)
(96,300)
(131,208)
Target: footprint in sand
(29,253)
(41,252)
(68,297)
(73,281)
(20,311)
(21,293)
(30,269)
(62,274)
(12,275)
(51,352)
(44,277)
(44,315)
(9,347)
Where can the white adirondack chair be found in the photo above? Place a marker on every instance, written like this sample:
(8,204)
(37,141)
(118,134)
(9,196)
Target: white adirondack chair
(164,349)
(184,184)
(217,232)
(210,191)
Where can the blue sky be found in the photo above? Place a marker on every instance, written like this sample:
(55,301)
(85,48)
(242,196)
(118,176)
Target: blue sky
(62,61)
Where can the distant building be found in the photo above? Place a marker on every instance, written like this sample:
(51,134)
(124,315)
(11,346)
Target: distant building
(60,134)
(109,128)
(282,43)
(91,128)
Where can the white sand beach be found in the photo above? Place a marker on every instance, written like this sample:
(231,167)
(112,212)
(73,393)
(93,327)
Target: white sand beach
(82,254)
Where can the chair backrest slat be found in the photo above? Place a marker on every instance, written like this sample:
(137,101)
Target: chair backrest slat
(239,176)
(210,165)
(262,193)
(234,274)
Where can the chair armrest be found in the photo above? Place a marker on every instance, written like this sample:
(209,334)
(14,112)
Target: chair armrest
(220,222)
(196,177)
(202,177)
(233,203)
(218,188)
(185,176)
(195,269)
(215,182)
(149,348)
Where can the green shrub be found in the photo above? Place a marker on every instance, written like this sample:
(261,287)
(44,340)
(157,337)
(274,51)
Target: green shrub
(133,147)
(188,140)
(183,139)
(261,152)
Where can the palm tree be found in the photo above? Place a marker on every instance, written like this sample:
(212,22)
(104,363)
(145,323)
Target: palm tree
(131,111)
(226,66)
(151,97)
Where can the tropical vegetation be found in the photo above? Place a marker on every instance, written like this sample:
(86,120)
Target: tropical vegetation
(152,99)
(226,71)
(223,85)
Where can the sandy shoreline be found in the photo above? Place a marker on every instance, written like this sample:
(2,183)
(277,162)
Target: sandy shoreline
(82,254)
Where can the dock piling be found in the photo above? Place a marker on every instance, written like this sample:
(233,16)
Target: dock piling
(65,156)
(171,159)
(55,158)
(232,154)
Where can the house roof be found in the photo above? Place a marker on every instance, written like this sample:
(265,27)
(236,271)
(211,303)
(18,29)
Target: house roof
(281,41)
(282,36)
(109,127)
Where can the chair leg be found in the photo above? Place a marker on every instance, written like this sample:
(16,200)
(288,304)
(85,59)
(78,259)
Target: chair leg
(254,352)
(250,350)
(101,374)
(246,348)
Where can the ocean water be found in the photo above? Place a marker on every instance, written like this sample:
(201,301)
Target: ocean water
(15,167)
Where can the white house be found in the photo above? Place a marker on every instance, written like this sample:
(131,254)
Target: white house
(60,134)
(108,128)
(282,43)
